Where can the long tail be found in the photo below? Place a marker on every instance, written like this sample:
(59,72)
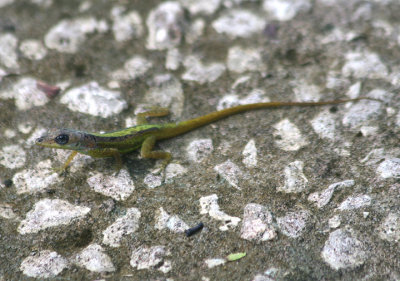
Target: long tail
(186,126)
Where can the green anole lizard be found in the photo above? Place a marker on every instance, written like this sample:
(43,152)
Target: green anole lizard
(144,136)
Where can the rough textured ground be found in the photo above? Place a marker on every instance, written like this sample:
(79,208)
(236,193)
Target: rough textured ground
(306,193)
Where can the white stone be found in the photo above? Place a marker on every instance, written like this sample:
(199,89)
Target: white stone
(119,187)
(166,91)
(8,51)
(257,223)
(174,170)
(36,180)
(94,259)
(45,264)
(244,59)
(7,212)
(355,202)
(12,156)
(173,223)
(195,31)
(362,113)
(284,10)
(173,59)
(322,198)
(206,7)
(334,222)
(293,223)
(390,228)
(295,180)
(135,67)
(4,3)
(210,263)
(153,180)
(201,73)
(288,137)
(200,149)
(390,168)
(94,100)
(250,154)
(68,35)
(304,91)
(123,226)
(324,125)
(25,93)
(364,65)
(342,250)
(126,26)
(239,23)
(33,49)
(165,26)
(230,172)
(254,96)
(146,258)
(49,213)
(354,90)
(209,205)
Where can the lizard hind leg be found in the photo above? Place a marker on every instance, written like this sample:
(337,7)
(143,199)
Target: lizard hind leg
(152,112)
(148,152)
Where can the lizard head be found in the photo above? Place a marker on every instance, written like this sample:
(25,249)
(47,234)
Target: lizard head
(61,138)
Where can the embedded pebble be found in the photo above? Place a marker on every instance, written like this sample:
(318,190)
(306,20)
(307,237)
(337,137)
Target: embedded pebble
(119,187)
(173,223)
(166,91)
(45,264)
(293,223)
(43,3)
(337,35)
(205,7)
(49,213)
(153,179)
(284,10)
(33,49)
(123,226)
(230,172)
(8,133)
(146,258)
(25,93)
(354,90)
(343,250)
(369,130)
(288,137)
(209,205)
(295,180)
(25,127)
(12,156)
(7,212)
(200,149)
(334,222)
(4,3)
(362,113)
(250,154)
(390,168)
(210,263)
(201,73)
(94,100)
(133,68)
(126,26)
(94,259)
(324,125)
(257,223)
(304,91)
(244,59)
(165,26)
(37,179)
(173,59)
(174,170)
(355,202)
(68,35)
(390,228)
(322,198)
(8,51)
(195,31)
(239,23)
(364,65)
(230,100)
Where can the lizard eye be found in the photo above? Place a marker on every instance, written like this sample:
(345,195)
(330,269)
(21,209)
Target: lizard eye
(62,139)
